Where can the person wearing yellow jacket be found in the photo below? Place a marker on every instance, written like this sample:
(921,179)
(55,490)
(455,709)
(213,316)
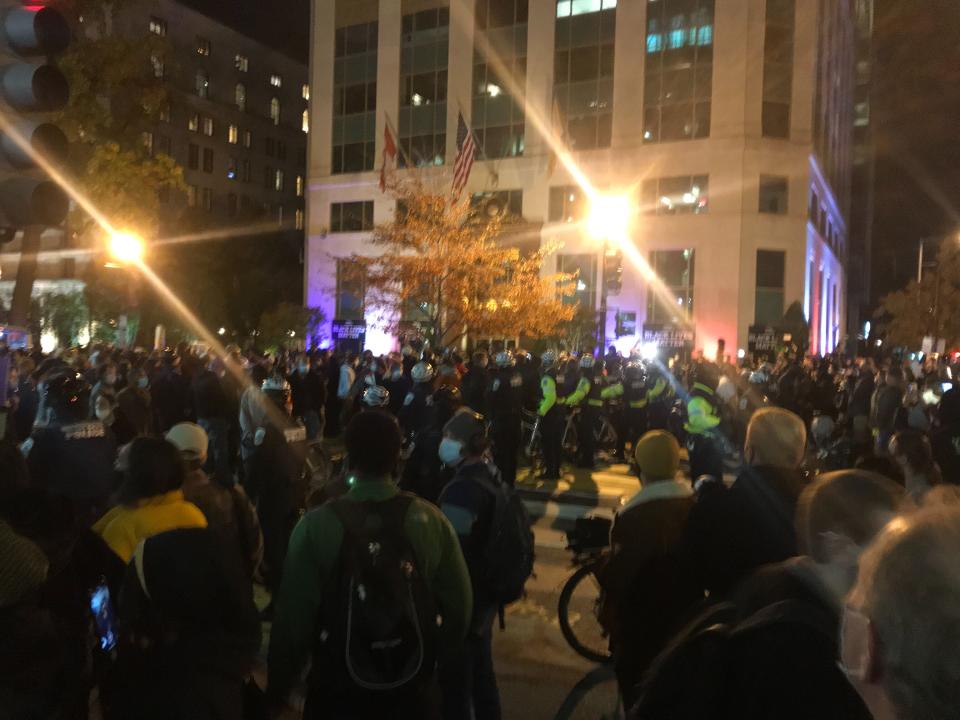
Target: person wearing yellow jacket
(551,417)
(631,420)
(703,442)
(151,499)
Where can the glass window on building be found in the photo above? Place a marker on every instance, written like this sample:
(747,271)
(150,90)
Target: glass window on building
(305,91)
(164,113)
(773,194)
(351,216)
(278,178)
(771,270)
(157,64)
(299,186)
(497,117)
(232,169)
(503,203)
(275,110)
(203,84)
(158,26)
(233,134)
(247,139)
(146,139)
(164,145)
(193,122)
(354,99)
(232,204)
(686,194)
(584,267)
(583,71)
(298,219)
(193,157)
(240,97)
(305,121)
(207,199)
(241,62)
(203,46)
(208,126)
(777,68)
(276,81)
(207,160)
(678,76)
(191,195)
(671,302)
(423,87)
(568,203)
(350,290)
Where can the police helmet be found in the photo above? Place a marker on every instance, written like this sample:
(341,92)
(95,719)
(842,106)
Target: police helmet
(277,389)
(587,362)
(548,359)
(758,377)
(67,394)
(376,396)
(504,359)
(821,429)
(422,372)
(633,371)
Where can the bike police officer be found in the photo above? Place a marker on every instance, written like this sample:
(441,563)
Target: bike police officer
(589,393)
(632,421)
(551,417)
(414,416)
(704,443)
(503,402)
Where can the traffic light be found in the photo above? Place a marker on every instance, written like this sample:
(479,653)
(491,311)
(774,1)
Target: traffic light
(613,272)
(31,86)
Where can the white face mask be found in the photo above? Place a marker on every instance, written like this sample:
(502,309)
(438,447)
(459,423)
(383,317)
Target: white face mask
(450,451)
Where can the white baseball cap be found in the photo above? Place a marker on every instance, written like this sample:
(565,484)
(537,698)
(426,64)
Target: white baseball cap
(190,439)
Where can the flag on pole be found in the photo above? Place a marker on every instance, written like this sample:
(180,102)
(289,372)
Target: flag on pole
(466,153)
(389,154)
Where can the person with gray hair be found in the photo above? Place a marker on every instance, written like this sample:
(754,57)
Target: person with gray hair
(900,640)
(734,531)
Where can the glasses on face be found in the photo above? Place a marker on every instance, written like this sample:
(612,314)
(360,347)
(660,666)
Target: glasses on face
(854,643)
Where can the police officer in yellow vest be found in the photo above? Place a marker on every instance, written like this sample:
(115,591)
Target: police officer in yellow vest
(660,397)
(589,396)
(704,443)
(632,421)
(551,417)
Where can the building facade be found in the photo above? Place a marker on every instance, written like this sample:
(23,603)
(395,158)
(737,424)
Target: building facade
(236,122)
(728,124)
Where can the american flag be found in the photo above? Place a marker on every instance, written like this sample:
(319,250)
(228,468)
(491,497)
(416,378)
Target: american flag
(466,151)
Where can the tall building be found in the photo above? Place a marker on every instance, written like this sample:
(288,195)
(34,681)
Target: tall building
(727,122)
(236,122)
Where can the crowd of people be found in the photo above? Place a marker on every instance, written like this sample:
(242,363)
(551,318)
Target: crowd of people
(789,553)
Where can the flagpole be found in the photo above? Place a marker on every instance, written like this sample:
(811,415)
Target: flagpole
(396,139)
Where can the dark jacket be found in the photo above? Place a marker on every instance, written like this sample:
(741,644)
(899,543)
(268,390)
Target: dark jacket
(734,531)
(423,473)
(649,583)
(172,399)
(473,387)
(190,631)
(308,392)
(209,397)
(862,394)
(133,406)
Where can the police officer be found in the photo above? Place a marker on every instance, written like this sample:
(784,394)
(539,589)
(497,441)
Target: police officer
(551,417)
(632,418)
(503,402)
(375,397)
(67,454)
(588,395)
(415,413)
(704,442)
(660,395)
(276,481)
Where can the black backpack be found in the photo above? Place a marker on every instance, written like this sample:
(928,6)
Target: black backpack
(509,554)
(688,679)
(380,630)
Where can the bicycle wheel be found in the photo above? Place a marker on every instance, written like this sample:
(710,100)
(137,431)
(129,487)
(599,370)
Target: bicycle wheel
(577,613)
(595,697)
(569,442)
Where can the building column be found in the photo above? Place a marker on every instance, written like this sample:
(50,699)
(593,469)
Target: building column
(737,53)
(321,76)
(389,31)
(459,72)
(628,73)
(541,21)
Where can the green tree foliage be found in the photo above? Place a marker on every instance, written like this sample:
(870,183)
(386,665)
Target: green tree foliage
(277,323)
(66,314)
(447,270)
(114,99)
(926,308)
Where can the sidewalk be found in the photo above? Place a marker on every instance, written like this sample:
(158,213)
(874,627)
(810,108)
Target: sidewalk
(609,486)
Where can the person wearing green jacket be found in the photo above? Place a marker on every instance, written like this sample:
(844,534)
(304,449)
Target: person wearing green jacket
(704,443)
(310,584)
(588,395)
(551,417)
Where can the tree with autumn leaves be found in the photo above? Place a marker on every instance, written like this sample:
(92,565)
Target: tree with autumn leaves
(451,272)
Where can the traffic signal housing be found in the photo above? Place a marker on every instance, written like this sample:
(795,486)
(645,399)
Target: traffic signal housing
(31,87)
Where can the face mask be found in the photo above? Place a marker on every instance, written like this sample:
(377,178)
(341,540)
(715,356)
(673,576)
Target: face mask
(143,382)
(450,451)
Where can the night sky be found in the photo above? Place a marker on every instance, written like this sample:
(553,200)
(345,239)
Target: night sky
(916,115)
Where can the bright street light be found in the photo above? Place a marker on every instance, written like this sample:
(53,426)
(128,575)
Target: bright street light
(609,217)
(222,331)
(649,351)
(126,247)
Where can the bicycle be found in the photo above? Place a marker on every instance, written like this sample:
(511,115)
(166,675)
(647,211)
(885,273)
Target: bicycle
(604,434)
(579,603)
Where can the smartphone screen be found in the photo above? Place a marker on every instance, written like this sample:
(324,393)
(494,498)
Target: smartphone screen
(103,617)
(944,387)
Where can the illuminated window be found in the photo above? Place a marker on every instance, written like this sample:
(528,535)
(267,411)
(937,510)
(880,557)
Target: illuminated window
(678,75)
(202,84)
(241,62)
(275,110)
(299,185)
(682,195)
(203,47)
(158,26)
(423,87)
(584,267)
(233,135)
(568,203)
(497,118)
(305,121)
(208,126)
(675,304)
(193,122)
(156,63)
(298,222)
(305,91)
(276,81)
(278,180)
(240,96)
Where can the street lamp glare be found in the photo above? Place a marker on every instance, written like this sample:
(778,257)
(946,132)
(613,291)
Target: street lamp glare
(126,247)
(609,217)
